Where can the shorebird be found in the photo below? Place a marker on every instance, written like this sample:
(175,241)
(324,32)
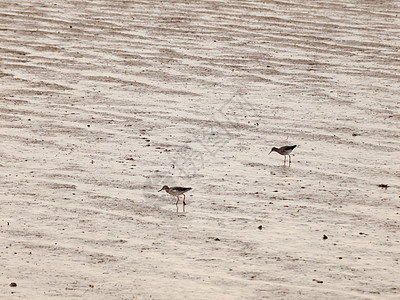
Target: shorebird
(285,150)
(176,191)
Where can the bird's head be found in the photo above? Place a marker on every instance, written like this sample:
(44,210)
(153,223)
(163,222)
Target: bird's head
(164,188)
(273,149)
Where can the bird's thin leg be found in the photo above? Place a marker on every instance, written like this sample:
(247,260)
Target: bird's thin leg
(289,158)
(184,197)
(177,200)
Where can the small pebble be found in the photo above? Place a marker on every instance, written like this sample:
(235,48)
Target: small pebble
(13,284)
(318,281)
(324,237)
(260,227)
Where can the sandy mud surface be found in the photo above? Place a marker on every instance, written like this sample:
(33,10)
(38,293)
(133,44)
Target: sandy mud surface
(103,102)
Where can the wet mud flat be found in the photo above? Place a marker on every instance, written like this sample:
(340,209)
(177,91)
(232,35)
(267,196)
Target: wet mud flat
(104,102)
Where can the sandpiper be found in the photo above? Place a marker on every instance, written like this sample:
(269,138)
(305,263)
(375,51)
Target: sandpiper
(285,150)
(176,191)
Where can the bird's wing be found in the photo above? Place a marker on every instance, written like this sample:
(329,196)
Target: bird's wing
(181,189)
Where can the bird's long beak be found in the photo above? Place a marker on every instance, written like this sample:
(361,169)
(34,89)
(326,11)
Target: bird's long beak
(270,152)
(160,190)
